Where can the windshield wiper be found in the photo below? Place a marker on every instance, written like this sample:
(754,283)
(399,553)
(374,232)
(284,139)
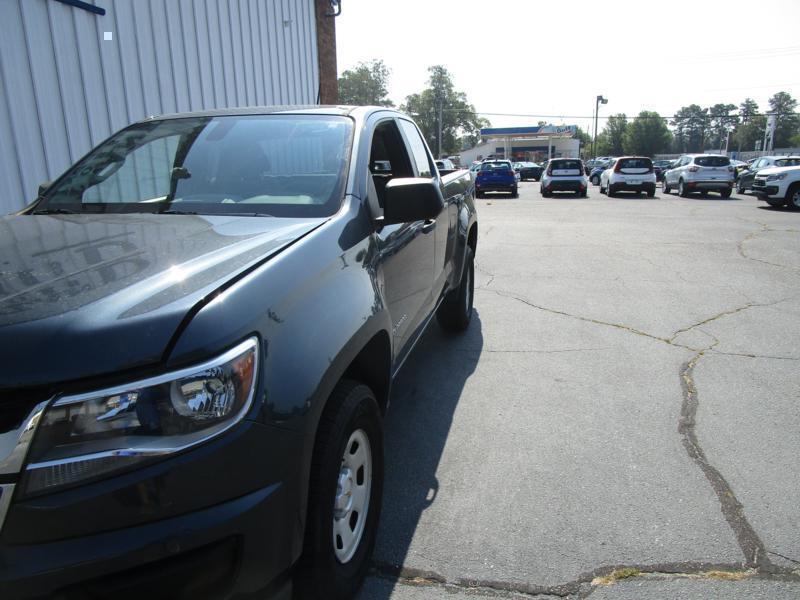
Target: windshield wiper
(176,212)
(55,211)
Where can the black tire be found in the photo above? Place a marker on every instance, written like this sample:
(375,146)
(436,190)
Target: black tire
(793,197)
(351,408)
(651,193)
(595,180)
(515,192)
(480,195)
(740,189)
(664,186)
(611,193)
(455,311)
(704,193)
(682,189)
(724,193)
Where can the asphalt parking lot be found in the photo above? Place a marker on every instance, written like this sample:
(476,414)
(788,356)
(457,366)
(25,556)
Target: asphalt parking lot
(621,420)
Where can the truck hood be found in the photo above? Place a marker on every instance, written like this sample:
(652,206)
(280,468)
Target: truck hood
(84,295)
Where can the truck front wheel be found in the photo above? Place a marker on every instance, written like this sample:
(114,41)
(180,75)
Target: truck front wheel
(455,311)
(344,500)
(793,197)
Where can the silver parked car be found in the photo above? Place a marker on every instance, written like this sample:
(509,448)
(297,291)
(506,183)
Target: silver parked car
(701,173)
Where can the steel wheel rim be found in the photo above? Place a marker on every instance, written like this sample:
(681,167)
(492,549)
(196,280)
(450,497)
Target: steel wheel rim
(680,188)
(351,503)
(796,199)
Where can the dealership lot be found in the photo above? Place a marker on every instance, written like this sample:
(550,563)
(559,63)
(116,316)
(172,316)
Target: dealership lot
(624,409)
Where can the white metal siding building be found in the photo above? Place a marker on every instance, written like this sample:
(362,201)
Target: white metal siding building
(65,86)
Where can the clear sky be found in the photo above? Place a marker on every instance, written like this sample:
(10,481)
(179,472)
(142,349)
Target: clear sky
(553,57)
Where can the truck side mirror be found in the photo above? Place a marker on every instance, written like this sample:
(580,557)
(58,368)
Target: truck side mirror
(411,199)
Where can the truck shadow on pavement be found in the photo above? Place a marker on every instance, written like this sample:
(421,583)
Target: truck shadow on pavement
(423,401)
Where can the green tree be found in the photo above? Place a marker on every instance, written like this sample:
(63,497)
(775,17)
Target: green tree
(647,135)
(459,122)
(584,139)
(720,123)
(603,145)
(691,125)
(365,85)
(783,106)
(751,125)
(614,135)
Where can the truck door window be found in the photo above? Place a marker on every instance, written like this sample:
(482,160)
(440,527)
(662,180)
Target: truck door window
(421,157)
(388,157)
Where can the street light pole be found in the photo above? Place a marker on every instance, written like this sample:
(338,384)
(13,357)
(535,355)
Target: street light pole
(600,100)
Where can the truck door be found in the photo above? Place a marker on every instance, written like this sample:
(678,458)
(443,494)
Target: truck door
(445,222)
(406,249)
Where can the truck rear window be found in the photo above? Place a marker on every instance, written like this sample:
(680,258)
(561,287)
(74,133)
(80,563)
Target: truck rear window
(712,161)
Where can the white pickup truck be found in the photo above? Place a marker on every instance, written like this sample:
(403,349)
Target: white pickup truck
(779,186)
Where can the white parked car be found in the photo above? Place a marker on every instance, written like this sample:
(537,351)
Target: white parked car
(779,186)
(700,173)
(564,175)
(629,174)
(445,164)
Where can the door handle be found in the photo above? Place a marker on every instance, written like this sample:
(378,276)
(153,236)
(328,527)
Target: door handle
(429,226)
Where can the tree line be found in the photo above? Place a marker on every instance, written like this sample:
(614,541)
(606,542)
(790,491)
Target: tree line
(696,128)
(691,129)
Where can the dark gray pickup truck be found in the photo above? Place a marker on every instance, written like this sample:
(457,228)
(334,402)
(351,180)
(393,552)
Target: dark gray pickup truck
(200,323)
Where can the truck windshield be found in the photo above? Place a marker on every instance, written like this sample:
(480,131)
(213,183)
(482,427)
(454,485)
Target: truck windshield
(265,165)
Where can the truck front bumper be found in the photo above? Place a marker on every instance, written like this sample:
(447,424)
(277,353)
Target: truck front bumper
(186,527)
(764,192)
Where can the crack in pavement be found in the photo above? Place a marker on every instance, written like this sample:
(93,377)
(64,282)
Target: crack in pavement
(750,236)
(725,313)
(745,355)
(755,554)
(585,319)
(583,585)
(751,545)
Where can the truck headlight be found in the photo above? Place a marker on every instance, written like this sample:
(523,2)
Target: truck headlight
(776,177)
(90,435)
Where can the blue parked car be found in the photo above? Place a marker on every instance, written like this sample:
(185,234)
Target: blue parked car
(496,176)
(594,176)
